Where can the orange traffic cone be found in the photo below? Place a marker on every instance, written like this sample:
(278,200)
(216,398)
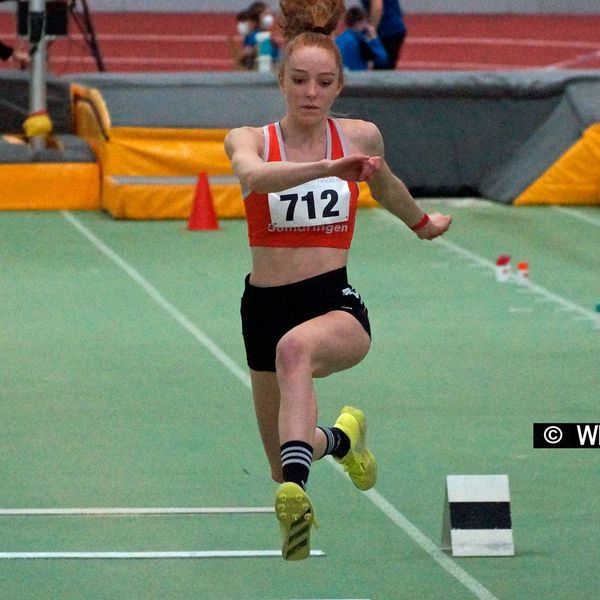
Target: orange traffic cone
(203,215)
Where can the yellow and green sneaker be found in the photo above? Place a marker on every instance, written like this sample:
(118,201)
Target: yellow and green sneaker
(359,463)
(296,517)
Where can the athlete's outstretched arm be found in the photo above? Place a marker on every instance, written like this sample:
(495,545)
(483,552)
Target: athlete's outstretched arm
(244,148)
(390,191)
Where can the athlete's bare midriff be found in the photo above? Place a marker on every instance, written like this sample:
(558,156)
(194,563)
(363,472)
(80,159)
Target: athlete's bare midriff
(280,266)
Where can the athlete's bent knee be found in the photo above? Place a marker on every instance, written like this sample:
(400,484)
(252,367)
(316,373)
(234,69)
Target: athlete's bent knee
(291,353)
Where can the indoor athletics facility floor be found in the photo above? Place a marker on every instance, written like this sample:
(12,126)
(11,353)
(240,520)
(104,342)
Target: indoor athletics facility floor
(124,387)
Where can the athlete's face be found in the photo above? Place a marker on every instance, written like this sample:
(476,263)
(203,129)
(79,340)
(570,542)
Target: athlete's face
(310,83)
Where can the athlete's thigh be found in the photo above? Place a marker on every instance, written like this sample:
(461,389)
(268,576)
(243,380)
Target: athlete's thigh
(335,341)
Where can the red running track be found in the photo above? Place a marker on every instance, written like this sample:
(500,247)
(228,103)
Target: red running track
(134,42)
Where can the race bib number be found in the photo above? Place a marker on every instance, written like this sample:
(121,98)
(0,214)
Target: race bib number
(318,202)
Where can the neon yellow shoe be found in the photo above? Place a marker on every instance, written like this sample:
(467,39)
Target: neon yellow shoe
(359,463)
(296,517)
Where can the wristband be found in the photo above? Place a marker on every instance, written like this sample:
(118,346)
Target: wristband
(421,223)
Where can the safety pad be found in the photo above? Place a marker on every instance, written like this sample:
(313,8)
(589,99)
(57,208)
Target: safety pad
(446,134)
(149,198)
(50,186)
(573,179)
(166,152)
(490,134)
(133,157)
(151,172)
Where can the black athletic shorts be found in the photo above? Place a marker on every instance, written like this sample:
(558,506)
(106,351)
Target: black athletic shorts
(270,312)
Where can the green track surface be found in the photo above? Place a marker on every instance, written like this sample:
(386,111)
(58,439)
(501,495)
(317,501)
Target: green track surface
(106,400)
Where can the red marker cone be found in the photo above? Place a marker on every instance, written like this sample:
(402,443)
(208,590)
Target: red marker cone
(203,215)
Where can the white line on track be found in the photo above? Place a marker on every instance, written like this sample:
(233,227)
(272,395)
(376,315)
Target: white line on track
(426,544)
(148,555)
(478,590)
(576,61)
(212,38)
(196,332)
(498,41)
(438,64)
(392,513)
(136,60)
(577,214)
(116,511)
(221,38)
(529,286)
(169,38)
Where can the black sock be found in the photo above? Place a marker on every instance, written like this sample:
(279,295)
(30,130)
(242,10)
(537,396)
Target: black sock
(296,457)
(338,443)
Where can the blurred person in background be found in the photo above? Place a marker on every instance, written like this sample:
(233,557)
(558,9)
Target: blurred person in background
(13,55)
(253,20)
(386,16)
(243,57)
(359,44)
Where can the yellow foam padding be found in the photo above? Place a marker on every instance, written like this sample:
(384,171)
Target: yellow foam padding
(91,119)
(365,200)
(165,152)
(140,151)
(151,201)
(160,201)
(573,179)
(49,186)
(94,119)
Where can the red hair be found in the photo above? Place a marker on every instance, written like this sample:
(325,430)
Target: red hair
(310,23)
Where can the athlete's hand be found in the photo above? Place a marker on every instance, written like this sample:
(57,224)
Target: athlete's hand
(355,167)
(438,224)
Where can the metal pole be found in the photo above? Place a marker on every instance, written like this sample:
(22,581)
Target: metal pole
(37,81)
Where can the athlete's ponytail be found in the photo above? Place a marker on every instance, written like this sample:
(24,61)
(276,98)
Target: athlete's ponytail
(311,23)
(318,16)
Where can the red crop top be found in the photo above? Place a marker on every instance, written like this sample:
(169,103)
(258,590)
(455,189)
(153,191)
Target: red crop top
(320,212)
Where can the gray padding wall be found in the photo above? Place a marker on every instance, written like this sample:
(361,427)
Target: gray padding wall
(490,134)
(14,108)
(14,102)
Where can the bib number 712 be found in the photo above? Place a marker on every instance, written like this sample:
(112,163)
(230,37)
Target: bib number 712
(309,198)
(305,206)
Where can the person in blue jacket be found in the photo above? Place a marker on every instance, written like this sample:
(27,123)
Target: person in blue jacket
(386,16)
(359,45)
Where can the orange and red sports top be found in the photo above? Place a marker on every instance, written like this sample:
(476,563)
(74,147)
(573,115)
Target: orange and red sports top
(320,212)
